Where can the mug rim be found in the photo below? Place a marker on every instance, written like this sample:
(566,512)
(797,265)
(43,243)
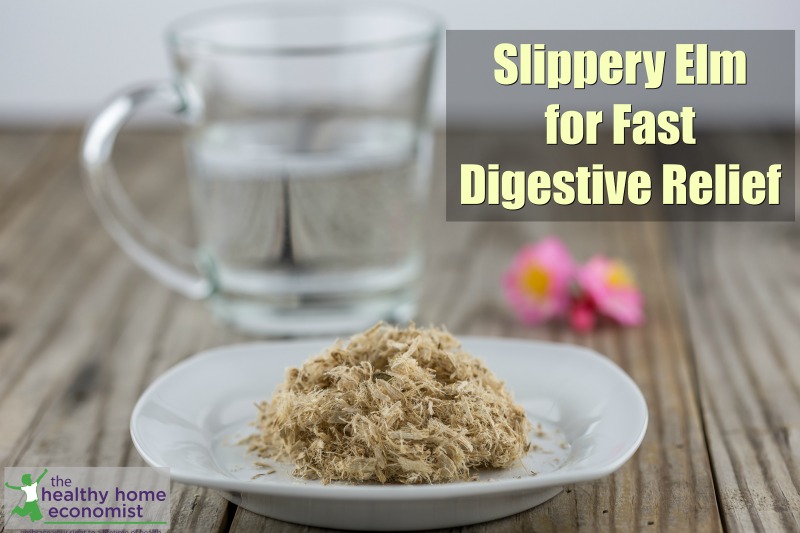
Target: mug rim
(430,27)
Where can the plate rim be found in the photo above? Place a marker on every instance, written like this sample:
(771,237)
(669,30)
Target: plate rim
(399,492)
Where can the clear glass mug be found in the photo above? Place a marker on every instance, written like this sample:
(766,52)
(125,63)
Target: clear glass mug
(308,149)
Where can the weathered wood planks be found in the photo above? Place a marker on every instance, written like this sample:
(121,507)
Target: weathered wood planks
(83,331)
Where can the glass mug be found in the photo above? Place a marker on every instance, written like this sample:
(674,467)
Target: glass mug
(308,148)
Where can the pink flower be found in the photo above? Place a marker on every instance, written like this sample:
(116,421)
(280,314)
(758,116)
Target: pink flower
(582,314)
(537,284)
(612,289)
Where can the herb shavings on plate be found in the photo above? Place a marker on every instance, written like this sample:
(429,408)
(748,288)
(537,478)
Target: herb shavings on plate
(587,418)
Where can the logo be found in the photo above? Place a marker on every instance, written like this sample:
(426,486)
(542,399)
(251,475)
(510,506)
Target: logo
(73,498)
(31,506)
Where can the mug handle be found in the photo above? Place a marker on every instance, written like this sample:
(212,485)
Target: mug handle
(169,261)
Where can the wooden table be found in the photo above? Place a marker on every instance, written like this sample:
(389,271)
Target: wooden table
(83,331)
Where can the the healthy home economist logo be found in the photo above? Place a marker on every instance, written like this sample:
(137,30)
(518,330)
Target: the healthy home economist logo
(31,506)
(67,498)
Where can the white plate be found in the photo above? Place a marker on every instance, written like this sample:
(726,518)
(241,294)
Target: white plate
(190,420)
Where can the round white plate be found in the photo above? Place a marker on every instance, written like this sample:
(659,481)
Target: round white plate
(593,418)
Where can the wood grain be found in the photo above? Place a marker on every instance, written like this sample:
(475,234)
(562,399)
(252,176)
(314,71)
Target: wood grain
(741,286)
(83,331)
(740,290)
(86,331)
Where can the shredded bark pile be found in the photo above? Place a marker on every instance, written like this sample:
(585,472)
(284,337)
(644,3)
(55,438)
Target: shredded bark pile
(393,406)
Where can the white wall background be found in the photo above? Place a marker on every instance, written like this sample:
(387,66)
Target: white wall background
(59,59)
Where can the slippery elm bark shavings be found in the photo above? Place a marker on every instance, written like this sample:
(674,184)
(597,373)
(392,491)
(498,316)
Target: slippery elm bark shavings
(392,406)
